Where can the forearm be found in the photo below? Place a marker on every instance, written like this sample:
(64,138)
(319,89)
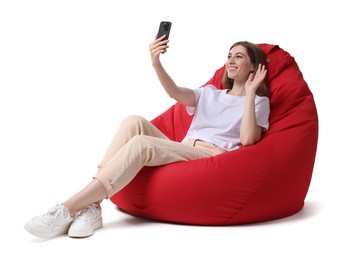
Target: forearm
(250,132)
(182,95)
(166,81)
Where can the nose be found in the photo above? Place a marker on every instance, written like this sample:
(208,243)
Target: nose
(231,60)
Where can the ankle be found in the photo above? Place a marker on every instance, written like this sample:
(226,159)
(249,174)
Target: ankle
(72,211)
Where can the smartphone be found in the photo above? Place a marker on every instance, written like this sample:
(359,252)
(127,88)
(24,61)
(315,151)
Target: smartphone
(164,28)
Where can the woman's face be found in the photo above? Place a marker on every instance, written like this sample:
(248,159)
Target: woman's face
(239,64)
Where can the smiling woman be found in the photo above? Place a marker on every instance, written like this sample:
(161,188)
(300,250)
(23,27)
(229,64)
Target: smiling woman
(266,181)
(247,54)
(228,163)
(221,123)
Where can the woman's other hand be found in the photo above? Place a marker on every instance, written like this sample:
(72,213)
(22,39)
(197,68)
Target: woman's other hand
(255,80)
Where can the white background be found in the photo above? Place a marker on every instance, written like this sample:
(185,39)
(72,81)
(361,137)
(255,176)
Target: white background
(71,70)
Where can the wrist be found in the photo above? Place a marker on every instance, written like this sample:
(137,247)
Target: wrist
(250,94)
(156,64)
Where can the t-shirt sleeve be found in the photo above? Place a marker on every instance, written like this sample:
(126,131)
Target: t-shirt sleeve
(262,110)
(198,92)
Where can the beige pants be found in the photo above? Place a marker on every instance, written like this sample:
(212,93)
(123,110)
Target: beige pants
(138,143)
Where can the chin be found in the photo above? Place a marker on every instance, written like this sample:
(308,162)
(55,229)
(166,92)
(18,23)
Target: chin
(231,75)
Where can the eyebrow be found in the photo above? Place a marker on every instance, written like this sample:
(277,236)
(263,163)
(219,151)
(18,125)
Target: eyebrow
(237,53)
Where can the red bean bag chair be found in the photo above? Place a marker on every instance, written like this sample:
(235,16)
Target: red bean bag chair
(266,181)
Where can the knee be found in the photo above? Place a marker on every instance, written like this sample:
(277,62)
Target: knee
(133,120)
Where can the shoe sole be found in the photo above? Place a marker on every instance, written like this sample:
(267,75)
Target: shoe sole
(29,227)
(86,233)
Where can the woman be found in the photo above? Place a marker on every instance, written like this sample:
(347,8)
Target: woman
(223,121)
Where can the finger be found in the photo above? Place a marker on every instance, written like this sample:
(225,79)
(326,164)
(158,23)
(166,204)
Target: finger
(163,44)
(159,50)
(162,37)
(260,70)
(154,47)
(158,42)
(251,77)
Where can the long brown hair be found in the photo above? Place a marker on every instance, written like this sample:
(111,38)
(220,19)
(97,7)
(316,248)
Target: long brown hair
(257,57)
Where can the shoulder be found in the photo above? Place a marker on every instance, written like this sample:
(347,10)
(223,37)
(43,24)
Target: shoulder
(262,103)
(210,89)
(207,92)
(260,99)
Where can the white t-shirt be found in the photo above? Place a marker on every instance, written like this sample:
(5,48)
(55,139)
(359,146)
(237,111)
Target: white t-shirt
(218,115)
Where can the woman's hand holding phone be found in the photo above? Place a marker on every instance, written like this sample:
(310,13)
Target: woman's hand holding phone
(160,44)
(157,47)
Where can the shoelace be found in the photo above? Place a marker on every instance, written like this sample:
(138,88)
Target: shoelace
(84,211)
(52,213)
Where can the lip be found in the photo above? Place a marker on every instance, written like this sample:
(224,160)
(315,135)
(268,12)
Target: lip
(232,68)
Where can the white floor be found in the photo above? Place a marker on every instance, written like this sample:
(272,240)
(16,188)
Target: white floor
(316,232)
(71,70)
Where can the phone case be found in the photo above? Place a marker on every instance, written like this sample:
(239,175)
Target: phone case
(164,28)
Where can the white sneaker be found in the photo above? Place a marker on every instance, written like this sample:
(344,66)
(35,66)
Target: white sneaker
(55,222)
(86,221)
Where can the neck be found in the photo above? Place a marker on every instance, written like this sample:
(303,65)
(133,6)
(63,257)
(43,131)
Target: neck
(237,90)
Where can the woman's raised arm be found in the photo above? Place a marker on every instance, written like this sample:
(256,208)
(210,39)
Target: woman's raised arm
(183,95)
